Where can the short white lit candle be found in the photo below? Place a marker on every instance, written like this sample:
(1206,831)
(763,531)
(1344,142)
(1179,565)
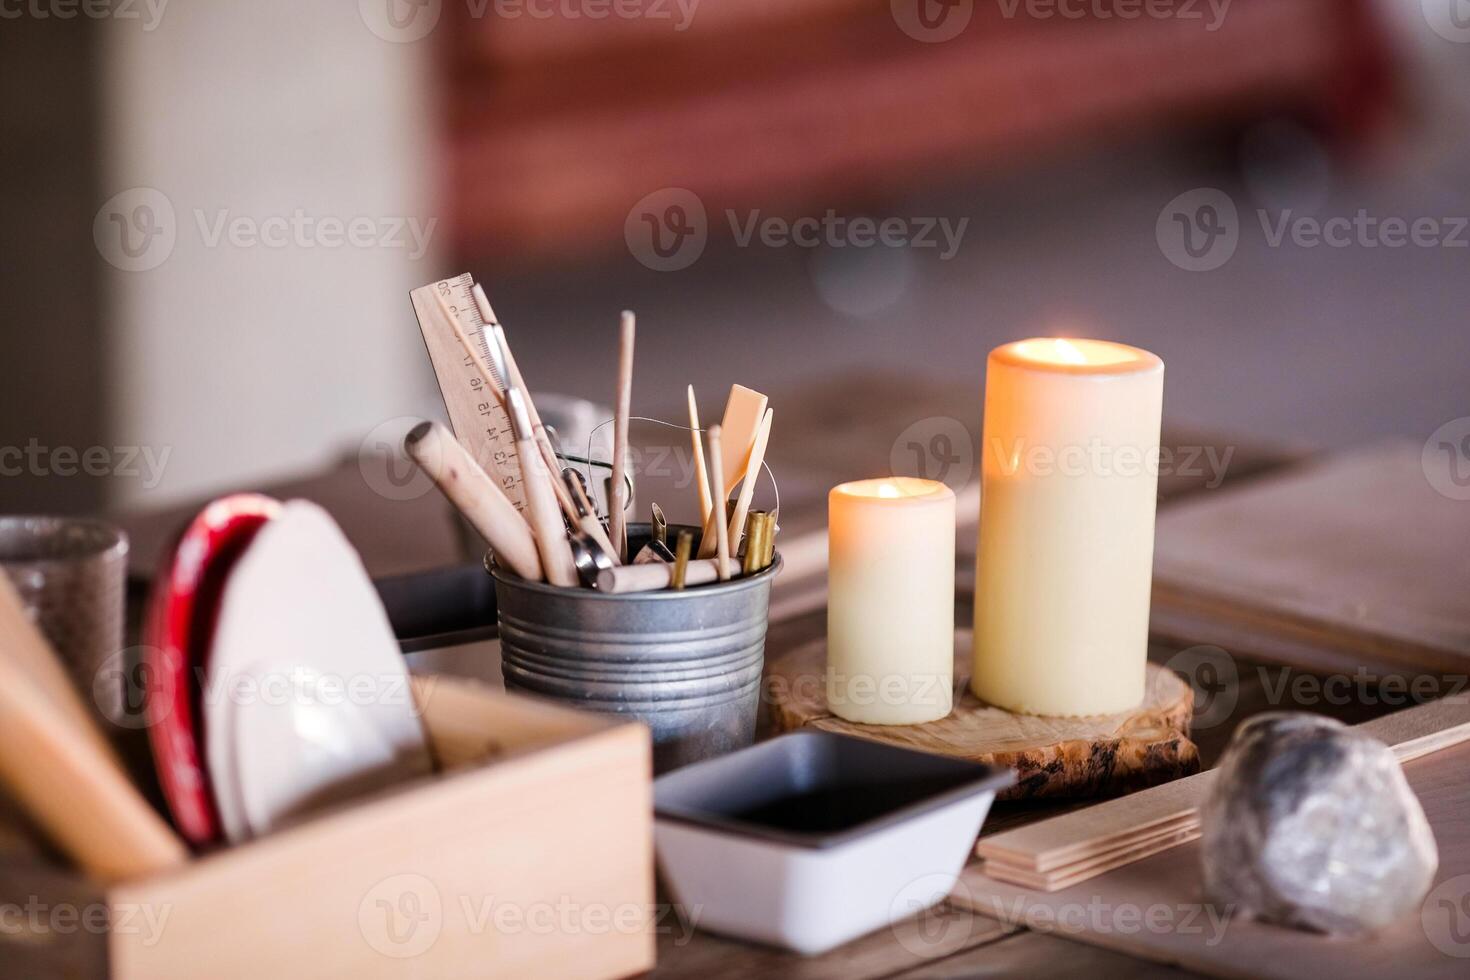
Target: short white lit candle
(1069,479)
(890,607)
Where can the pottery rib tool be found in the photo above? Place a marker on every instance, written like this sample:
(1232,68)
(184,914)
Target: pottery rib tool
(717,514)
(701,475)
(748,481)
(450,322)
(618,503)
(53,760)
(467,486)
(744,411)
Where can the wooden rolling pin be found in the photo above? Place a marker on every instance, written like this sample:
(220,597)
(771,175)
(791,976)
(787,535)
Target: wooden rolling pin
(482,503)
(51,760)
(657,575)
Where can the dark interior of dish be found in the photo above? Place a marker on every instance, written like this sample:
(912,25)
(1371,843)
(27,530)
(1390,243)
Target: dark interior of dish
(815,785)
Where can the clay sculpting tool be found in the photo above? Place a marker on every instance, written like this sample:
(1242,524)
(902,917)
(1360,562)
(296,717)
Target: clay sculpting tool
(682,549)
(467,486)
(717,515)
(701,475)
(541,506)
(748,481)
(744,411)
(511,375)
(618,502)
(586,514)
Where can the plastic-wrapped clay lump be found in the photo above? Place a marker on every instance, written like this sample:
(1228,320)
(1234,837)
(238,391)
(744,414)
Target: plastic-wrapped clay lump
(1311,824)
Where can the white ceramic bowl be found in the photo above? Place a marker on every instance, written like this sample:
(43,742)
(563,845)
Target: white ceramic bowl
(813,839)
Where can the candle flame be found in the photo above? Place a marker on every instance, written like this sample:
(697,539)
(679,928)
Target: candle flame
(888,490)
(1067,351)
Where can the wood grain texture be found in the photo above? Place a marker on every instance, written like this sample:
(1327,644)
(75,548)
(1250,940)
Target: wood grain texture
(908,944)
(469,388)
(1034,954)
(1356,554)
(1172,835)
(1210,942)
(446,854)
(1053,757)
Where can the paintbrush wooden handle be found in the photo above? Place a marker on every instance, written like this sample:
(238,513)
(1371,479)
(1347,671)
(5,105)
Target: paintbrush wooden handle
(658,575)
(545,517)
(52,762)
(471,490)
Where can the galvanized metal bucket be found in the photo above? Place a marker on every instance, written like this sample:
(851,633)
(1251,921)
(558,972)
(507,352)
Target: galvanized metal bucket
(686,663)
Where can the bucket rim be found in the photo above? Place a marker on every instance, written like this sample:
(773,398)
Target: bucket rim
(758,580)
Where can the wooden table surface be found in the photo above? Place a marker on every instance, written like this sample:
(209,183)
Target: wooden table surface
(823,437)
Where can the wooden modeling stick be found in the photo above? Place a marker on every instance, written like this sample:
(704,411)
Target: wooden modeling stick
(53,760)
(747,484)
(743,413)
(717,513)
(471,490)
(701,475)
(618,503)
(652,576)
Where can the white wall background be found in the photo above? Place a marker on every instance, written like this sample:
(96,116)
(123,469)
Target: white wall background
(247,361)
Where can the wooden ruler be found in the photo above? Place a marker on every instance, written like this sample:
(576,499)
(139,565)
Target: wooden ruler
(479,420)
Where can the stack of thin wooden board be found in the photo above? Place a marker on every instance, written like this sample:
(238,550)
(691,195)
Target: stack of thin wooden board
(1352,560)
(1054,854)
(1158,909)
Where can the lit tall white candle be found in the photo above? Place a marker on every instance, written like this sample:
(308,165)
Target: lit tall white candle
(1069,480)
(890,606)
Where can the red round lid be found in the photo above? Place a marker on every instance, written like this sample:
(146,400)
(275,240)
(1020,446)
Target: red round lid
(176,637)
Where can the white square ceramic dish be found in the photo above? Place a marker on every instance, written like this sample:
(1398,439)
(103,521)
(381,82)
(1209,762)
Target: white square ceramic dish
(813,839)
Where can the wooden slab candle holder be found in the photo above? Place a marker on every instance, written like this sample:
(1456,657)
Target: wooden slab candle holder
(532,808)
(1053,757)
